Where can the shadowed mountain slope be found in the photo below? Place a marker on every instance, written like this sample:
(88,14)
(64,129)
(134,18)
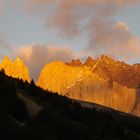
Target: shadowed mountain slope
(58,118)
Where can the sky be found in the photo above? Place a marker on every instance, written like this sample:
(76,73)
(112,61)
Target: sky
(41,31)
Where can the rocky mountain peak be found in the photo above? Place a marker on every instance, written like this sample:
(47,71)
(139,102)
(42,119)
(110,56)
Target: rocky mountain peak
(15,69)
(90,62)
(107,59)
(76,62)
(18,60)
(6,59)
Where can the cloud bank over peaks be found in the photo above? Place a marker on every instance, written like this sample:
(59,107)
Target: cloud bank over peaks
(96,18)
(36,56)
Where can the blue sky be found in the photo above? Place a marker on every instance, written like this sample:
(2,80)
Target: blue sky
(21,28)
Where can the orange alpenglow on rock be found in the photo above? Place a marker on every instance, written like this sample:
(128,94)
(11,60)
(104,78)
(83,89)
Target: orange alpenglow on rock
(76,62)
(15,69)
(83,83)
(90,62)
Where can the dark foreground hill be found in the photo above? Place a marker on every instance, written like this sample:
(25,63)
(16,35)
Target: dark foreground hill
(28,112)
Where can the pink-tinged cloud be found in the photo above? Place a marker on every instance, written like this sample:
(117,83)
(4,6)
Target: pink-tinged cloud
(90,2)
(113,39)
(67,15)
(36,56)
(95,18)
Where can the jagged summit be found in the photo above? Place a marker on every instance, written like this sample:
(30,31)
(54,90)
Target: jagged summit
(15,69)
(6,59)
(89,59)
(90,62)
(111,69)
(18,60)
(76,62)
(106,57)
(120,72)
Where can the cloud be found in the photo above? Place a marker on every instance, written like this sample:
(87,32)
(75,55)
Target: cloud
(67,16)
(96,19)
(1,7)
(115,40)
(36,56)
(5,46)
(89,2)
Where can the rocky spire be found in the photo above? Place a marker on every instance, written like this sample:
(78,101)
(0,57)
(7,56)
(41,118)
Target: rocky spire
(89,62)
(6,60)
(76,62)
(15,69)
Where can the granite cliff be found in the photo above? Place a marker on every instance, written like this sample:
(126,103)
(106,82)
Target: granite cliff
(84,83)
(103,81)
(120,72)
(15,69)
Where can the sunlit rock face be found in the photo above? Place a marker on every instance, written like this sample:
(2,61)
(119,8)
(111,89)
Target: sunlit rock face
(83,83)
(76,62)
(136,108)
(90,62)
(108,68)
(15,69)
(124,74)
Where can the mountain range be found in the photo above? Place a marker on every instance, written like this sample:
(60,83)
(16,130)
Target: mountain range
(103,81)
